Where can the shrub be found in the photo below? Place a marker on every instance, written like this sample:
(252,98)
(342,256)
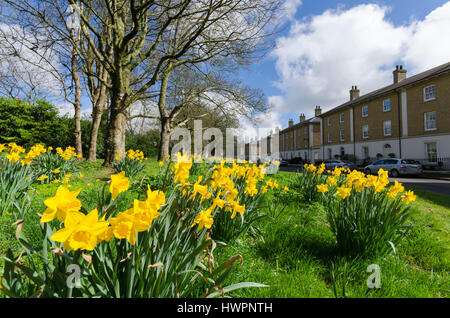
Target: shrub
(28,124)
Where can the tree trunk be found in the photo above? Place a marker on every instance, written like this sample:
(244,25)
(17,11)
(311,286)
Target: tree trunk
(115,139)
(97,113)
(78,89)
(165,138)
(165,118)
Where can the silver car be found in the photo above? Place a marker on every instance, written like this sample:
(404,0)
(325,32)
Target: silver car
(395,167)
(333,163)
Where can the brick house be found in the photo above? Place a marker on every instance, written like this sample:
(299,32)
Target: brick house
(409,118)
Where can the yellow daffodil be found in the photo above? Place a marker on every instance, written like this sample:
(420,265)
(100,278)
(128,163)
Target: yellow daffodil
(322,188)
(204,220)
(80,232)
(331,181)
(61,204)
(43,177)
(395,190)
(408,197)
(119,183)
(343,192)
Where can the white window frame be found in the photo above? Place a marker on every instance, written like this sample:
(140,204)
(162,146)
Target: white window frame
(384,106)
(342,135)
(384,128)
(342,118)
(329,137)
(425,121)
(365,114)
(365,129)
(428,153)
(364,153)
(433,97)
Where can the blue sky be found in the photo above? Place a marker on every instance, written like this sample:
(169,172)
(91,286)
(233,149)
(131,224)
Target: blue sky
(406,25)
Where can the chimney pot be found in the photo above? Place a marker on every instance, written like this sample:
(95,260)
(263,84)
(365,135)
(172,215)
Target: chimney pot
(318,111)
(354,93)
(399,74)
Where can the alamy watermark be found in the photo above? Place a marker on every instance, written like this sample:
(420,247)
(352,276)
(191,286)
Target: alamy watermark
(74,279)
(374,280)
(210,145)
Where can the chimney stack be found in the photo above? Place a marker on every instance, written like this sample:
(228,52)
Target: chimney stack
(317,111)
(354,93)
(302,118)
(399,74)
(291,122)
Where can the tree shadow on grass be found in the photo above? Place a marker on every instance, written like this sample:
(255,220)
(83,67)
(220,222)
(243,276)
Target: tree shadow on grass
(439,199)
(288,244)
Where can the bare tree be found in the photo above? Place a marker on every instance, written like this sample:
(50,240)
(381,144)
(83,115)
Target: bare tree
(43,61)
(147,39)
(192,94)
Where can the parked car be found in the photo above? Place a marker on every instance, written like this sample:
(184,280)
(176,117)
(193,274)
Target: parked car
(298,160)
(396,167)
(283,162)
(331,164)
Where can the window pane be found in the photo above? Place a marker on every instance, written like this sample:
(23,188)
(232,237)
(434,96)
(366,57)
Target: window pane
(386,105)
(431,151)
(430,92)
(430,120)
(387,127)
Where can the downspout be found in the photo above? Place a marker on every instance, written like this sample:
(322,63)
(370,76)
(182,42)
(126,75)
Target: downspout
(399,123)
(353,132)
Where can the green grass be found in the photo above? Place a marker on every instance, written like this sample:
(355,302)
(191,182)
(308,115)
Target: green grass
(295,254)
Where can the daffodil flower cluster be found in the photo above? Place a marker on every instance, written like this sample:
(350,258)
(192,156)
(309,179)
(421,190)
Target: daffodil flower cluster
(230,185)
(357,181)
(131,154)
(67,153)
(365,213)
(84,231)
(15,151)
(131,162)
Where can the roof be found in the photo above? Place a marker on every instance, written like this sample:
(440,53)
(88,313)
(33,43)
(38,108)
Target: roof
(435,71)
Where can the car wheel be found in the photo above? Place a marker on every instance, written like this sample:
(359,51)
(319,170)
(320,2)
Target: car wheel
(367,171)
(394,173)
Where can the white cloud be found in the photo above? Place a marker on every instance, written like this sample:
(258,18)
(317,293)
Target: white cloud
(289,8)
(429,45)
(28,65)
(323,56)
(263,123)
(65,108)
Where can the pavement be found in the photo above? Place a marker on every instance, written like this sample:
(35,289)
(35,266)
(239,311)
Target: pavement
(433,181)
(440,186)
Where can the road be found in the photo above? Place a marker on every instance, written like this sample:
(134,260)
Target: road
(432,185)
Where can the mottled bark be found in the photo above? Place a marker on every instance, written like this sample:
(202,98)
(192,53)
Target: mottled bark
(97,113)
(165,138)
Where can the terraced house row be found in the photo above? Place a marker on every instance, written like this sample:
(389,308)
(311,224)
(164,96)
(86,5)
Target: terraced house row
(409,118)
